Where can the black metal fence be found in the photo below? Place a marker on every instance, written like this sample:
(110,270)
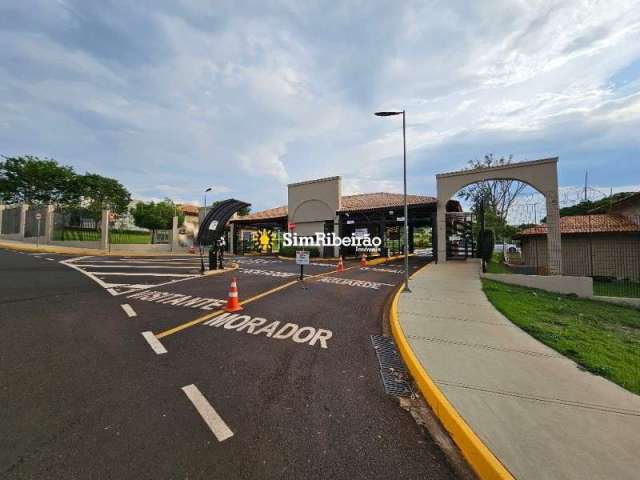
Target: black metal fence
(72,224)
(605,247)
(35,222)
(11,220)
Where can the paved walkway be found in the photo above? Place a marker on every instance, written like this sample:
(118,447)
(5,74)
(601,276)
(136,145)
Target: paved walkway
(533,408)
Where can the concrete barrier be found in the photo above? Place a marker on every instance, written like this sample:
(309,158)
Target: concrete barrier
(580,286)
(141,247)
(624,301)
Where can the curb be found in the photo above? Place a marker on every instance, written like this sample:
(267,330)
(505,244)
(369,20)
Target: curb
(45,248)
(484,463)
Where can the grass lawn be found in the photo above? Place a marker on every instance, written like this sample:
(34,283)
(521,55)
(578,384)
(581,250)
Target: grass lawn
(616,289)
(130,237)
(70,234)
(601,337)
(496,264)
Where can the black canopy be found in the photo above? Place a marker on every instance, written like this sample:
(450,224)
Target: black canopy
(216,218)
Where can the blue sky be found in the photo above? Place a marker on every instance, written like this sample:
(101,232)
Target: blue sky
(172,97)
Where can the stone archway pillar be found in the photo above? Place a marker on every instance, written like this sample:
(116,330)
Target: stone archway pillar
(554,250)
(540,174)
(441,230)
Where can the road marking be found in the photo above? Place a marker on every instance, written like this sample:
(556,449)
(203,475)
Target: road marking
(208,414)
(124,265)
(143,274)
(51,259)
(268,273)
(154,343)
(274,330)
(204,318)
(177,299)
(128,310)
(355,283)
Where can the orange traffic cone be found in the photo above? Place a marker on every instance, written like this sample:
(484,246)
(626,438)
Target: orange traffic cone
(363,260)
(233,305)
(340,265)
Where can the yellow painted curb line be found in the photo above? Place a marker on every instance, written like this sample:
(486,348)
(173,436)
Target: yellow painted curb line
(481,459)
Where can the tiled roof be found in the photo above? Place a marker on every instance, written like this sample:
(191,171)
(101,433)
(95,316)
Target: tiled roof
(270,214)
(601,223)
(350,203)
(190,209)
(373,201)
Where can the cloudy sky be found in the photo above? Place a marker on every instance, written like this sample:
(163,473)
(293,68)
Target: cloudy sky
(172,97)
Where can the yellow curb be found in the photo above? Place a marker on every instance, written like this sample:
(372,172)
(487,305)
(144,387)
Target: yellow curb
(61,249)
(482,460)
(379,260)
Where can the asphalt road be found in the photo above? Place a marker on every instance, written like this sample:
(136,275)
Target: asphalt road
(84,395)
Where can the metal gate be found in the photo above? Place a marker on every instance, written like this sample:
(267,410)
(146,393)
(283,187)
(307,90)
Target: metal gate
(460,243)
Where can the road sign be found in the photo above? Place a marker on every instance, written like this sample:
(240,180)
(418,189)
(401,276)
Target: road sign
(302,257)
(361,232)
(400,219)
(292,226)
(38,216)
(213,225)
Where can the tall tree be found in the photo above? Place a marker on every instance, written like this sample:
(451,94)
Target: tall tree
(29,179)
(102,193)
(499,195)
(155,215)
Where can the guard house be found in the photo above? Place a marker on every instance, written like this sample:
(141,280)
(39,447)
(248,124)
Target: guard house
(319,206)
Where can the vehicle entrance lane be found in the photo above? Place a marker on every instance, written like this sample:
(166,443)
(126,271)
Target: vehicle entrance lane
(302,410)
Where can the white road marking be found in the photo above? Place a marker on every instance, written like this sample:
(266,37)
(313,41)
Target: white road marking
(208,414)
(154,343)
(269,273)
(354,283)
(51,259)
(124,265)
(129,310)
(120,288)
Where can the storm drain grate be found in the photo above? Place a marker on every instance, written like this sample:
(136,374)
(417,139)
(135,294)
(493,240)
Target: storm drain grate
(393,372)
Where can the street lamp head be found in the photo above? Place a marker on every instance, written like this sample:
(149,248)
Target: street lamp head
(387,114)
(208,189)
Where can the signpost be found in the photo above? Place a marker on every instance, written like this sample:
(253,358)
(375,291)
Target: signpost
(38,217)
(302,259)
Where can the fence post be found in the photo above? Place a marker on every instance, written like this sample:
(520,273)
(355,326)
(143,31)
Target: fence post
(104,230)
(48,223)
(174,234)
(23,220)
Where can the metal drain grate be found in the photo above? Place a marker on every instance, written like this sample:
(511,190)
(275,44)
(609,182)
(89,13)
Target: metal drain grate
(393,372)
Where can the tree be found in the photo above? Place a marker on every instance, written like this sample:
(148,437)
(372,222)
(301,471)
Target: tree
(155,216)
(102,193)
(586,206)
(498,195)
(29,179)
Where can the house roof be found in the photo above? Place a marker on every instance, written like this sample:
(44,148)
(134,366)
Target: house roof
(189,209)
(599,223)
(350,203)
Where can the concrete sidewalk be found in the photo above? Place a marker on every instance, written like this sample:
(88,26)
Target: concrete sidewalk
(539,414)
(61,249)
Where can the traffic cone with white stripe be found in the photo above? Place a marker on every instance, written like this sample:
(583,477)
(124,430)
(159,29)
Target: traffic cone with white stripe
(363,260)
(340,265)
(233,304)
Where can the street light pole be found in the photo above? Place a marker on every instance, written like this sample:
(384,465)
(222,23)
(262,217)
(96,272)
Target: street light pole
(406,208)
(201,222)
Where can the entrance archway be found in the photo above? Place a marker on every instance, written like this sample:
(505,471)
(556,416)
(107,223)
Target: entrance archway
(540,174)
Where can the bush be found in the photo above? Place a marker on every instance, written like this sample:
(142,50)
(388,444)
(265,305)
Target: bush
(291,251)
(486,243)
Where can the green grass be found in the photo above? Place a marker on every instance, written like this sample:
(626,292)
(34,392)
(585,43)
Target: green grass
(129,237)
(76,235)
(496,265)
(603,338)
(625,288)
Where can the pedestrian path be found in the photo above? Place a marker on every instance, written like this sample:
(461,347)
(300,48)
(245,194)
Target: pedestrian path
(539,414)
(120,276)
